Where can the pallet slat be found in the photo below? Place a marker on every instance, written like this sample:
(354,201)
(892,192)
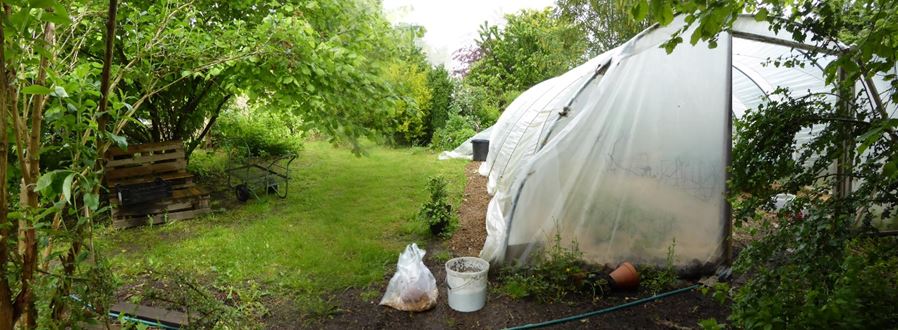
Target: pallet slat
(137,160)
(166,207)
(185,193)
(146,147)
(144,179)
(158,218)
(167,317)
(157,169)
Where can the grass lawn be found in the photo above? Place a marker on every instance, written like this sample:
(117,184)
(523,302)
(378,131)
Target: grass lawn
(343,224)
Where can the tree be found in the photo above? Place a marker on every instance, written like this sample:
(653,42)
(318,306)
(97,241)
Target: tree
(73,82)
(441,88)
(532,47)
(607,23)
(322,61)
(51,105)
(806,267)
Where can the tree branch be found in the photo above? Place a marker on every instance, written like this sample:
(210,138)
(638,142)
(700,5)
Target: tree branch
(196,141)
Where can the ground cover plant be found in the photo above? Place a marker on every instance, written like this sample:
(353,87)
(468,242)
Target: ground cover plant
(343,226)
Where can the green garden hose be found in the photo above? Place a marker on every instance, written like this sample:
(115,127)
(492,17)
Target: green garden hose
(606,310)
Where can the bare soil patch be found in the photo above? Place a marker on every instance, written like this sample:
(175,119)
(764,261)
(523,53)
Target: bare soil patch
(468,239)
(682,311)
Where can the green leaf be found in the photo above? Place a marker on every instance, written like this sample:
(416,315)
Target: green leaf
(696,36)
(59,92)
(119,140)
(67,187)
(36,89)
(91,201)
(890,169)
(761,15)
(45,4)
(20,17)
(666,14)
(57,18)
(640,10)
(45,181)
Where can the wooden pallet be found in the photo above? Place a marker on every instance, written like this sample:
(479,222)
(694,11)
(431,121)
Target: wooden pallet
(165,317)
(144,163)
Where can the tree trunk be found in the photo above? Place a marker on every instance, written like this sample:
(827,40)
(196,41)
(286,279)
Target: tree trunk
(30,198)
(196,141)
(7,318)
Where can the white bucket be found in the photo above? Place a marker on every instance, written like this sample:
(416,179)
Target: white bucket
(467,280)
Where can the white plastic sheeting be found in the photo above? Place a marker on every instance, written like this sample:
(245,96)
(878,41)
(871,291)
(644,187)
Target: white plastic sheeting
(465,150)
(636,163)
(530,118)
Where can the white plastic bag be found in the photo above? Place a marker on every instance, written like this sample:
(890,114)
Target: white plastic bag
(413,287)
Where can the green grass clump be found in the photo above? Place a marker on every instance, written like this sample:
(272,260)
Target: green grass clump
(343,224)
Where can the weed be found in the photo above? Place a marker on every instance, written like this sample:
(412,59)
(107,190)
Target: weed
(442,256)
(711,324)
(557,273)
(657,279)
(314,308)
(369,295)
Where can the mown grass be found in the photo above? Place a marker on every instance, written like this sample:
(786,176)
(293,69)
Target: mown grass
(343,224)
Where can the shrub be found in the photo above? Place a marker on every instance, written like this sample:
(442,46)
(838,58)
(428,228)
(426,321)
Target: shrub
(473,102)
(258,134)
(207,164)
(858,290)
(441,87)
(437,212)
(408,119)
(458,129)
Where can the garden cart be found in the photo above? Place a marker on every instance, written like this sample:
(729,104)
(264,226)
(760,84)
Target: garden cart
(252,176)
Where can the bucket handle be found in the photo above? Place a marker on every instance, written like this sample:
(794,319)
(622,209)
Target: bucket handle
(470,280)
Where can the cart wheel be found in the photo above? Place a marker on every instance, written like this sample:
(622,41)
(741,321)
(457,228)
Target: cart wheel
(242,192)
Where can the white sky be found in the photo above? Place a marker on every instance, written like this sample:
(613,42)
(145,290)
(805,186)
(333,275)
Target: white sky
(453,24)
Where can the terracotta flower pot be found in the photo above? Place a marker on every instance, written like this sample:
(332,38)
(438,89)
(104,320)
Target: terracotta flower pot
(625,277)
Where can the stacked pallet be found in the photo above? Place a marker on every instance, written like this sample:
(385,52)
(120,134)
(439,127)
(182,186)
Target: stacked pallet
(145,164)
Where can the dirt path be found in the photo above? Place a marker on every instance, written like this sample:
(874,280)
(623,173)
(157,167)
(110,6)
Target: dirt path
(469,238)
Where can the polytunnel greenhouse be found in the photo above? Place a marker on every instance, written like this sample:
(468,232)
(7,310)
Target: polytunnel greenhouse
(626,155)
